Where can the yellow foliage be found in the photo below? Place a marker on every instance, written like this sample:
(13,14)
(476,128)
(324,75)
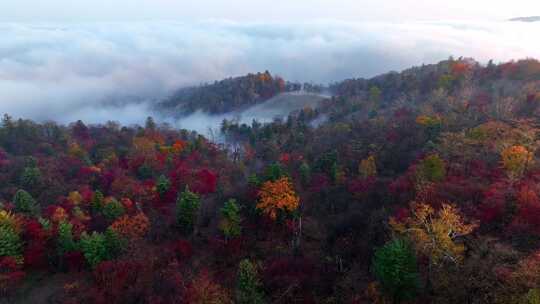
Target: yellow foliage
(11,220)
(144,145)
(75,198)
(515,160)
(367,167)
(276,196)
(425,120)
(434,232)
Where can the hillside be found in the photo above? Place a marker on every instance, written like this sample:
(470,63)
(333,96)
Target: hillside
(421,186)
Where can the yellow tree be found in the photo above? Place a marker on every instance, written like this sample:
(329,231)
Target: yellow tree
(276,196)
(367,167)
(515,160)
(434,233)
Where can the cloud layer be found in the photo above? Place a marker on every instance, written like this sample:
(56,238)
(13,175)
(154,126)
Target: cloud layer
(66,72)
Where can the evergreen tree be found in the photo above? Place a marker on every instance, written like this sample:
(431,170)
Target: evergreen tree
(187,206)
(248,285)
(395,267)
(25,203)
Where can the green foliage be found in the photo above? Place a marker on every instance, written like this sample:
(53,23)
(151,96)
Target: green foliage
(99,247)
(144,172)
(395,267)
(248,285)
(432,169)
(305,173)
(25,203)
(327,163)
(230,224)
(65,241)
(45,223)
(187,207)
(274,172)
(97,201)
(375,94)
(113,209)
(162,184)
(31,177)
(10,242)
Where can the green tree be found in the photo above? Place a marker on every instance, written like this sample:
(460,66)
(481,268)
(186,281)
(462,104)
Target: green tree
(65,241)
(248,285)
(162,184)
(395,267)
(25,203)
(97,201)
(10,243)
(187,207)
(431,169)
(113,209)
(230,222)
(99,247)
(305,173)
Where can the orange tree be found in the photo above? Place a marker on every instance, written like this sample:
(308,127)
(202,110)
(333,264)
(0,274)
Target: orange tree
(277,196)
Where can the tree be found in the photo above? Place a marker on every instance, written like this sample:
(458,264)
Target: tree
(230,223)
(25,203)
(99,247)
(435,233)
(248,284)
(395,267)
(187,207)
(65,240)
(162,185)
(277,196)
(431,169)
(515,160)
(367,167)
(113,209)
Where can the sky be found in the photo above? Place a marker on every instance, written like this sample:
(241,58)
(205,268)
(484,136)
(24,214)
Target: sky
(103,60)
(262,10)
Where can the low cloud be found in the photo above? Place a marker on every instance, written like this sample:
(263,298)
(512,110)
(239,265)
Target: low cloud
(115,71)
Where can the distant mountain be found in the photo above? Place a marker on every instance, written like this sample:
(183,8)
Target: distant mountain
(527,19)
(231,94)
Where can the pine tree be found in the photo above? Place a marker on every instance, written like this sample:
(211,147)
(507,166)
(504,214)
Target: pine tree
(25,203)
(187,206)
(395,267)
(248,285)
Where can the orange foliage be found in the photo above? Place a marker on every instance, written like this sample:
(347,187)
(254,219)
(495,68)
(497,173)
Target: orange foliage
(59,215)
(515,160)
(132,227)
(277,196)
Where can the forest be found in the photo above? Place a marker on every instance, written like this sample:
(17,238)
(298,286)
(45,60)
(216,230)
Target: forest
(420,186)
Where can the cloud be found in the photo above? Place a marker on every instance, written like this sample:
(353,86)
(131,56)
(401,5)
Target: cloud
(70,71)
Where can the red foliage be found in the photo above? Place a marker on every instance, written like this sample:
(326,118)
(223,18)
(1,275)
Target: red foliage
(494,203)
(205,182)
(319,182)
(361,185)
(10,275)
(183,250)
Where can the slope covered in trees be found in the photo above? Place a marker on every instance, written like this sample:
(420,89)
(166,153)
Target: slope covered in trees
(414,187)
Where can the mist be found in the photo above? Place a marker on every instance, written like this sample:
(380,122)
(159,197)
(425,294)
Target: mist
(98,72)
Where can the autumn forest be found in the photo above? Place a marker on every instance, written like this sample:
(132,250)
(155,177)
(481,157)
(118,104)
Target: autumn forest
(421,186)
